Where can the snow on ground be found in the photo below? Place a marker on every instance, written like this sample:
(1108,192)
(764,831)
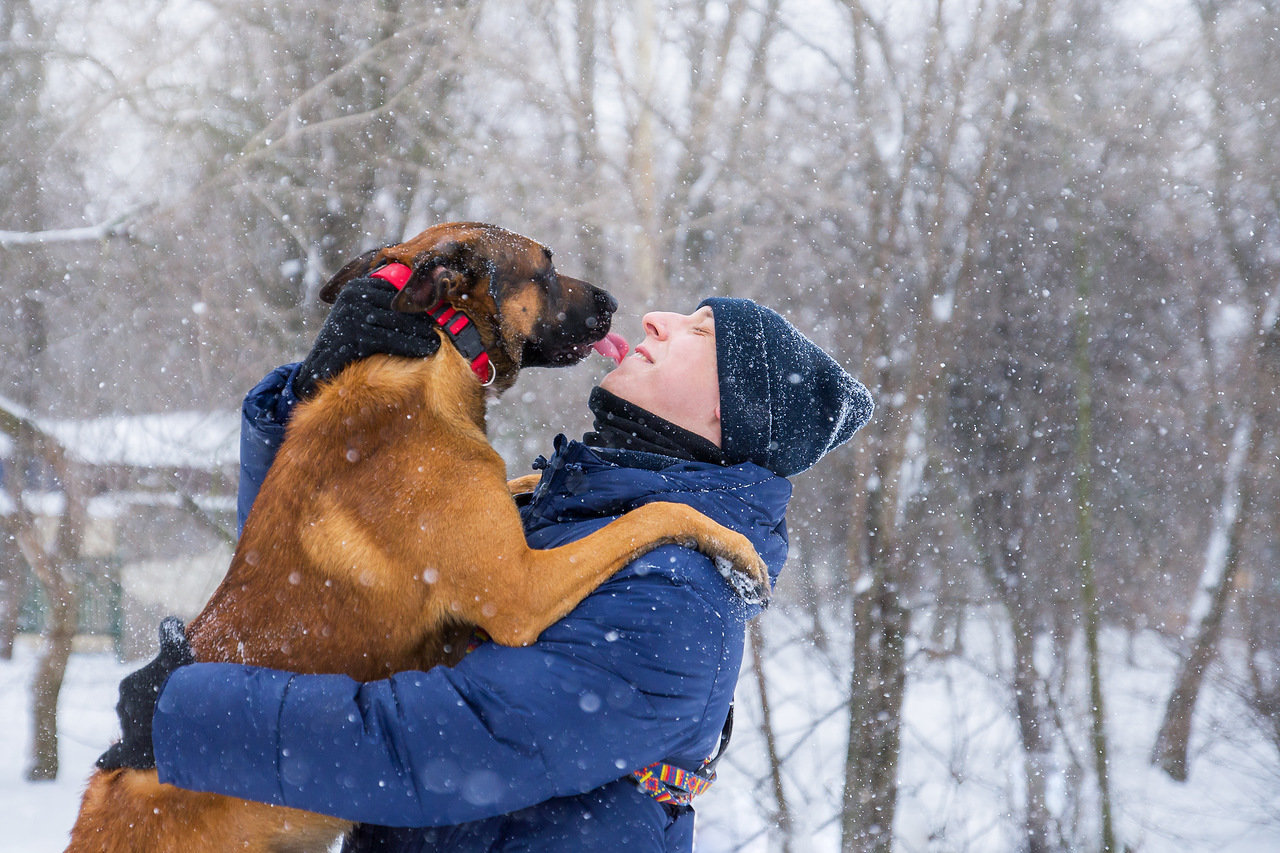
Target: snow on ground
(40,814)
(959,772)
(961,765)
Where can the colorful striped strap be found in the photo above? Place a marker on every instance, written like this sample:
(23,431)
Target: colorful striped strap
(676,786)
(478,638)
(672,785)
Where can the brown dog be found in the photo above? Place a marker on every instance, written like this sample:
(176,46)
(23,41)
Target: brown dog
(384,471)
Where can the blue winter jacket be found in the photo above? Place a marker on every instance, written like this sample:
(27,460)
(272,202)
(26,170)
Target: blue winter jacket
(514,748)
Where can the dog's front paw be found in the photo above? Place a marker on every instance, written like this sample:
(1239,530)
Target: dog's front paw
(523,485)
(747,574)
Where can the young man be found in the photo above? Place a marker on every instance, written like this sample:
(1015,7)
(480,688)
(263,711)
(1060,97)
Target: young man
(563,745)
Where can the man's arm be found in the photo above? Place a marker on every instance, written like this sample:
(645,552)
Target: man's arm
(625,680)
(263,415)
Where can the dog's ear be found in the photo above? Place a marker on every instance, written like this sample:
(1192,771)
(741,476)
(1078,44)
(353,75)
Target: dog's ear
(442,273)
(429,285)
(357,268)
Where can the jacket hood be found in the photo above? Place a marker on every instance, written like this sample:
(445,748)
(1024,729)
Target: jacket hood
(581,484)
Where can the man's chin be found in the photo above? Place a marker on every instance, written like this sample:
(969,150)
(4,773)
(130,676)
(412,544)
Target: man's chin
(615,380)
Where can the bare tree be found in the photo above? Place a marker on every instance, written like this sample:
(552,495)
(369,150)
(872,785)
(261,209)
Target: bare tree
(50,560)
(1239,127)
(54,562)
(334,121)
(782,824)
(925,206)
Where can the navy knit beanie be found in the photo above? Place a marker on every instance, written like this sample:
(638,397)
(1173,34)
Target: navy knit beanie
(784,403)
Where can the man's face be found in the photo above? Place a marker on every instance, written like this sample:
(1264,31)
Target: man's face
(672,372)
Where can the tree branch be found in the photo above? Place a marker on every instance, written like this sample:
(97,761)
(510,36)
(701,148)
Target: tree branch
(116,226)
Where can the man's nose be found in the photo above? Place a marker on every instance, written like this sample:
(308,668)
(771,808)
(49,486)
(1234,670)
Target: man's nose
(656,324)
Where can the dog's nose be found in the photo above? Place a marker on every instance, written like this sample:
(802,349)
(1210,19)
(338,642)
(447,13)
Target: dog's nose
(605,303)
(602,303)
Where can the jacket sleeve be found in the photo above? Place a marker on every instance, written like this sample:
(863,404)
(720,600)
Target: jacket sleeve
(623,681)
(263,416)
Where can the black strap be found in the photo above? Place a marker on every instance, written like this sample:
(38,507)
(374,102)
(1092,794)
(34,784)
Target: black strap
(460,329)
(707,771)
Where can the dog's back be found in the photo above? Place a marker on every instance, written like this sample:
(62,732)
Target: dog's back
(340,494)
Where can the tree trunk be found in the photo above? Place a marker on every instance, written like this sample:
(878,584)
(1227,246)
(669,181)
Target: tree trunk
(56,568)
(993,527)
(1208,609)
(52,563)
(13,586)
(60,630)
(1084,532)
(1030,709)
(782,817)
(643,165)
(586,134)
(876,691)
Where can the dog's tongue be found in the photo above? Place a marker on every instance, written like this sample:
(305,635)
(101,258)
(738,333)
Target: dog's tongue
(612,346)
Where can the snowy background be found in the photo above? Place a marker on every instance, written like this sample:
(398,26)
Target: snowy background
(1045,234)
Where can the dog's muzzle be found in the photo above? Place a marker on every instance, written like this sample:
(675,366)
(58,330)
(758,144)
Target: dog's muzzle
(567,340)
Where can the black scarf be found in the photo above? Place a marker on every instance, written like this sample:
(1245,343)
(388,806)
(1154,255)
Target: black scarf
(624,425)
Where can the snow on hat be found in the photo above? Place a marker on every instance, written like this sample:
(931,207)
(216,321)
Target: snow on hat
(784,403)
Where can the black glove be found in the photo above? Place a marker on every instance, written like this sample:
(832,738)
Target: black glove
(138,694)
(360,324)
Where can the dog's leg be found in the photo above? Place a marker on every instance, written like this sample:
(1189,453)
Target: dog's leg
(523,485)
(515,604)
(130,811)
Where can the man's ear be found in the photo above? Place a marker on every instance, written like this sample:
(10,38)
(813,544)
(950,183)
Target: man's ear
(715,415)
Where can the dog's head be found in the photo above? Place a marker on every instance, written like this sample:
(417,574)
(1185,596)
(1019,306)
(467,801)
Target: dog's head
(528,315)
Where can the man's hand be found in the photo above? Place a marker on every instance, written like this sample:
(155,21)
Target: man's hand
(360,324)
(138,694)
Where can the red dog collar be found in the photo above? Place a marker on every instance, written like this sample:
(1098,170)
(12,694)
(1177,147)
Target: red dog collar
(457,325)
